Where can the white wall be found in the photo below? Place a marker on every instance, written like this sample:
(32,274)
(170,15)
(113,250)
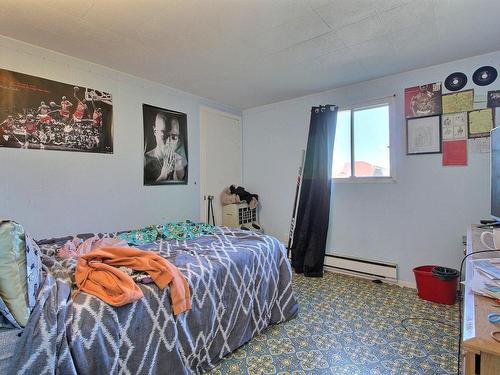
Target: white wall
(419,219)
(57,193)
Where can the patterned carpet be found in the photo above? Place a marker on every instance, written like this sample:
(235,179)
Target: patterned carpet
(348,325)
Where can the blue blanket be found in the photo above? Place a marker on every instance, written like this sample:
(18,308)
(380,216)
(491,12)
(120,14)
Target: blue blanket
(240,283)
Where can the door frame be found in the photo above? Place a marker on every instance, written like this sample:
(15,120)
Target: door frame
(205,109)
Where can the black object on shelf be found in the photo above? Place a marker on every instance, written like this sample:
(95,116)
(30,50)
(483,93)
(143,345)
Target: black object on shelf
(494,224)
(487,221)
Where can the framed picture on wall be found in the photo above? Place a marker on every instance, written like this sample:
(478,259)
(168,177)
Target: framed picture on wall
(493,99)
(423,135)
(41,114)
(423,100)
(481,121)
(165,146)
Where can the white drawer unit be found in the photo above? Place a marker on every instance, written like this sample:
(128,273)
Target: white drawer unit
(234,215)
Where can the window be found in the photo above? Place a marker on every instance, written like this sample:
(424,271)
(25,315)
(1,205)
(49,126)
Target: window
(362,143)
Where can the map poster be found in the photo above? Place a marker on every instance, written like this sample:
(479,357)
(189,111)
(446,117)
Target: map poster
(424,100)
(461,101)
(480,123)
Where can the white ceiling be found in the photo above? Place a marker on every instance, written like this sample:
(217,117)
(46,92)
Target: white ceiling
(248,53)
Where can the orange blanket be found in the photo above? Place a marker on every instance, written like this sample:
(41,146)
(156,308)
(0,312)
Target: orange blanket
(96,274)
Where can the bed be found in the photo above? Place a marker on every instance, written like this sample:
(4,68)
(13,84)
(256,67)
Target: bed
(240,283)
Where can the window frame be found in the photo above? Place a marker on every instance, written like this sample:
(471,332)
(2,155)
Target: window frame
(389,101)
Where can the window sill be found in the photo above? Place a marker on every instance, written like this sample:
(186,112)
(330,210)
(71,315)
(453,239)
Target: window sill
(364,180)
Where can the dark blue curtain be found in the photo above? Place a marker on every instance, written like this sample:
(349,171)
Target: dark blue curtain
(311,228)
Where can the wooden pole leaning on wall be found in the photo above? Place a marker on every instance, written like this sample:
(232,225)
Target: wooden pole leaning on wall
(296,202)
(210,209)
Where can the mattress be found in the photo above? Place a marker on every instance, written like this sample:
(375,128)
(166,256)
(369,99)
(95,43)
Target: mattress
(240,283)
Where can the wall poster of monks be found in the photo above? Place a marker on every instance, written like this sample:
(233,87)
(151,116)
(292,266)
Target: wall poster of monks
(37,113)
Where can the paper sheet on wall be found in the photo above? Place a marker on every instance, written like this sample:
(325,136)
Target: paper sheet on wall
(480,101)
(454,126)
(480,123)
(458,102)
(455,153)
(479,145)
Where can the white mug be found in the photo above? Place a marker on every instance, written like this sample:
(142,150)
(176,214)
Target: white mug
(495,235)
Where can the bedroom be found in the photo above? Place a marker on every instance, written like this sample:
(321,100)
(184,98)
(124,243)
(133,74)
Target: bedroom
(265,63)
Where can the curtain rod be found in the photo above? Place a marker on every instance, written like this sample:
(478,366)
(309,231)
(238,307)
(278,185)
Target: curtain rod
(322,107)
(367,101)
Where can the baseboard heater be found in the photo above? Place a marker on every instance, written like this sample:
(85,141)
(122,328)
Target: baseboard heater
(371,269)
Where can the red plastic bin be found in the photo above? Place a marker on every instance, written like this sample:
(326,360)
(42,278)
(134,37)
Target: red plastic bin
(432,288)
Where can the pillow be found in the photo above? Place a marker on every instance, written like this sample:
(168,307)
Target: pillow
(20,271)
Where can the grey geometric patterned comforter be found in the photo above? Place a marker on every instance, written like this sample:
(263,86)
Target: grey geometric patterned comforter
(240,283)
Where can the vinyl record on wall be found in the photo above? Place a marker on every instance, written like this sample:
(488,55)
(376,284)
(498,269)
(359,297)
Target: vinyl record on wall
(485,75)
(455,81)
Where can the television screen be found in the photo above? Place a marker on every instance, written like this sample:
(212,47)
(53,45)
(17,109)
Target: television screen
(495,173)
